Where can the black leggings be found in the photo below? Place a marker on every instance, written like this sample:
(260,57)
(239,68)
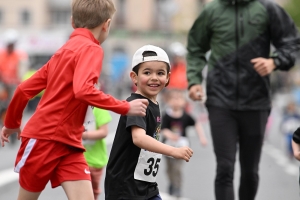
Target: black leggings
(232,130)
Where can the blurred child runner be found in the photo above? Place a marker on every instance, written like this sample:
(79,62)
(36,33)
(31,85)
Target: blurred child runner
(178,71)
(96,129)
(175,121)
(136,152)
(51,148)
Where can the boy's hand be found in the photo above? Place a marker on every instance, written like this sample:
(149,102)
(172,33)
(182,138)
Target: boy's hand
(138,107)
(6,132)
(184,153)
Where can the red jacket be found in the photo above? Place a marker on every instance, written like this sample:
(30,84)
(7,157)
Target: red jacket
(69,78)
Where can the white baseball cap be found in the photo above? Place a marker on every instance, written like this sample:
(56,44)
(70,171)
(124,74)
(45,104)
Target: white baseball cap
(178,49)
(10,36)
(138,57)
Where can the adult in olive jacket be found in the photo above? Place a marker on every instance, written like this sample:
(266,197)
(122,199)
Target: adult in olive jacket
(239,34)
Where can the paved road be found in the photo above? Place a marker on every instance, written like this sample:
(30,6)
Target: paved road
(278,174)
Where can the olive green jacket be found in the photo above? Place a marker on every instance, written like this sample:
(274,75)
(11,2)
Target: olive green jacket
(237,31)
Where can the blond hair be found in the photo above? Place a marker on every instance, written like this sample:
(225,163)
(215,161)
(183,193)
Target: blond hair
(91,13)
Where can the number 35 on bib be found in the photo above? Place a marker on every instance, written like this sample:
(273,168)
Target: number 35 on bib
(147,166)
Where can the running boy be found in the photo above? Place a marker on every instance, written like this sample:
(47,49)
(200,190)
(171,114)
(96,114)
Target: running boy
(94,142)
(175,121)
(51,146)
(136,152)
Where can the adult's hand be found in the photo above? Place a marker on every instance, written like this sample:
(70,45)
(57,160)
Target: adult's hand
(138,107)
(263,66)
(196,92)
(6,132)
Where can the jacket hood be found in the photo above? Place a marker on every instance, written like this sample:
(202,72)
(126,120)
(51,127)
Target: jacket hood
(235,1)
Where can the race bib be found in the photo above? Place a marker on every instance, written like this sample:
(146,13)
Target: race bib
(147,166)
(89,124)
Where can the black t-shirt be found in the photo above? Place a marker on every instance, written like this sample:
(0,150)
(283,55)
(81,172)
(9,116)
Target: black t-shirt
(177,125)
(124,155)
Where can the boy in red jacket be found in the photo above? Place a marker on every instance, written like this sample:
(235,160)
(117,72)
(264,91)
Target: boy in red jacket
(51,146)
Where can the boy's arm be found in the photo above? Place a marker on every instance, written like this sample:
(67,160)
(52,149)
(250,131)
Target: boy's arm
(169,134)
(142,140)
(102,118)
(198,43)
(24,92)
(201,135)
(86,74)
(98,134)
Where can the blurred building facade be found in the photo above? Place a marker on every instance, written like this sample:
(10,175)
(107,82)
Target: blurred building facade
(45,25)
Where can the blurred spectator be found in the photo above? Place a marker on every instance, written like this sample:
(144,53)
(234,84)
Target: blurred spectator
(3,102)
(178,71)
(295,88)
(119,65)
(175,122)
(290,122)
(178,78)
(13,62)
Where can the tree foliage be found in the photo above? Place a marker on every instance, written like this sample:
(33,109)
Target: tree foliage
(293,8)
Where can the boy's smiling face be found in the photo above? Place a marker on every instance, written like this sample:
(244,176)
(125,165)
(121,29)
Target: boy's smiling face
(152,77)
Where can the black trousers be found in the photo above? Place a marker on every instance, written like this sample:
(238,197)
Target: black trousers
(231,131)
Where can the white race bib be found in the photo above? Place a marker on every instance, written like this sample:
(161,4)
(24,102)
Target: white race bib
(89,124)
(147,166)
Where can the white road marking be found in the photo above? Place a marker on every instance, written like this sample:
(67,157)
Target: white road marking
(281,159)
(7,176)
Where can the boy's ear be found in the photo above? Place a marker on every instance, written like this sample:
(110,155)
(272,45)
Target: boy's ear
(106,25)
(168,79)
(133,77)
